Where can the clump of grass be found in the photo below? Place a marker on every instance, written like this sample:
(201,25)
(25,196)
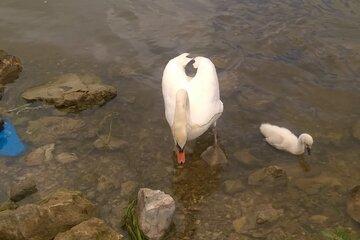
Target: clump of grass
(338,234)
(130,223)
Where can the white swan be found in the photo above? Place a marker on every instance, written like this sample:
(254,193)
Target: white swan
(192,105)
(284,139)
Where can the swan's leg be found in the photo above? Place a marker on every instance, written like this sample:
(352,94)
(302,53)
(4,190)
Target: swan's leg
(215,135)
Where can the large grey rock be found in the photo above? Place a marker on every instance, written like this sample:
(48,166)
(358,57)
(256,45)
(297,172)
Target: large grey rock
(72,91)
(353,204)
(59,212)
(92,229)
(49,129)
(10,67)
(271,176)
(155,212)
(22,189)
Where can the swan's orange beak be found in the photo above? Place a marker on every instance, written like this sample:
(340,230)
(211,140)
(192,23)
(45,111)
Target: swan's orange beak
(180,157)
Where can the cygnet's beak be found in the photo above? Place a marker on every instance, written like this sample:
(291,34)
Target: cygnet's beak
(308,149)
(180,156)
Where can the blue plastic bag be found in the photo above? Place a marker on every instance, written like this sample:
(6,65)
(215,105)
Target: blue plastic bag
(10,143)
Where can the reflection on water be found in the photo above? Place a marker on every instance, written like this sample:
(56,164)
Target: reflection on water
(292,63)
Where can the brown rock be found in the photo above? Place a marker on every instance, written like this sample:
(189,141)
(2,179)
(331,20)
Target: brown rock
(268,176)
(9,205)
(22,189)
(266,213)
(72,91)
(239,223)
(92,229)
(59,212)
(353,203)
(10,67)
(318,219)
(66,157)
(315,184)
(40,155)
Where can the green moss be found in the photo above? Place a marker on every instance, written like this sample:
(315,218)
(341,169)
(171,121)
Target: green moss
(130,223)
(338,234)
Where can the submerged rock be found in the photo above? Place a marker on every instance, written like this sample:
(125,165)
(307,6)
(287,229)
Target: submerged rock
(214,156)
(238,224)
(10,67)
(266,213)
(314,185)
(318,219)
(112,143)
(269,176)
(246,158)
(66,157)
(155,212)
(72,91)
(22,189)
(92,229)
(49,129)
(353,203)
(59,212)
(40,155)
(128,188)
(9,205)
(233,186)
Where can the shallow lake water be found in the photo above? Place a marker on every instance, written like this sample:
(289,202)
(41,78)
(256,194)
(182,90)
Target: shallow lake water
(291,63)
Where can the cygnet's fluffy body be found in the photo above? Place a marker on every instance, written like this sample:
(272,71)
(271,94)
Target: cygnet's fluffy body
(283,139)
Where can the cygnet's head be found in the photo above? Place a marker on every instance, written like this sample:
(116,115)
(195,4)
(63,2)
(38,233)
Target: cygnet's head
(307,140)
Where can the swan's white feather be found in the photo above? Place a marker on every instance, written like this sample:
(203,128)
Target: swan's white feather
(203,90)
(281,138)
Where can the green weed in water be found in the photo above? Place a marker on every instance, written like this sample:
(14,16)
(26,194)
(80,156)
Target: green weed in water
(338,234)
(130,223)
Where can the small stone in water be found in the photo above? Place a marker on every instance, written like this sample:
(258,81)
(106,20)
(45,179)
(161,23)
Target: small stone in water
(233,186)
(214,156)
(318,219)
(66,157)
(239,223)
(22,189)
(353,203)
(128,187)
(40,155)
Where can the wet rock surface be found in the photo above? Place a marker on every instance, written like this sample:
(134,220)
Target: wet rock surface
(92,229)
(22,189)
(214,156)
(40,155)
(49,129)
(10,67)
(271,176)
(353,203)
(59,212)
(72,91)
(155,212)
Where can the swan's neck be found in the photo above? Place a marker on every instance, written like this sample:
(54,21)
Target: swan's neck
(300,147)
(181,114)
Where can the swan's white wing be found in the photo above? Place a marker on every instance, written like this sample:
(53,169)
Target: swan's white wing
(203,91)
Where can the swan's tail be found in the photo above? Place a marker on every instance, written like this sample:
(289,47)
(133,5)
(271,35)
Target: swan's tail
(267,129)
